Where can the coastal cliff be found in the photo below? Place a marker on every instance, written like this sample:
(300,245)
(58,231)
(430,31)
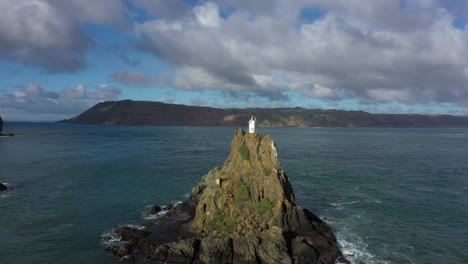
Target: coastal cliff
(243,212)
(129,112)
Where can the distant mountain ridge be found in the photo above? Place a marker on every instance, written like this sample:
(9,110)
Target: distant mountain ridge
(128,112)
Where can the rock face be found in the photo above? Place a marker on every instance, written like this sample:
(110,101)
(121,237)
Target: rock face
(243,212)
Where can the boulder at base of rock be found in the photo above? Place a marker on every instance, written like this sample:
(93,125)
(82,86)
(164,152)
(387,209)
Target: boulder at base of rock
(3,187)
(153,210)
(244,212)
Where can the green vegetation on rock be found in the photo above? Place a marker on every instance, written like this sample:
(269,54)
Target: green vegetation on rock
(105,108)
(222,223)
(264,207)
(266,171)
(244,152)
(261,137)
(242,192)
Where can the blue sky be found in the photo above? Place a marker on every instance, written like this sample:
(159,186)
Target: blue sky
(58,58)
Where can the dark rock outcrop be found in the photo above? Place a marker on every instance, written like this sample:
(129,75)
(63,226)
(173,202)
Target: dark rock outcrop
(3,187)
(1,128)
(153,210)
(243,212)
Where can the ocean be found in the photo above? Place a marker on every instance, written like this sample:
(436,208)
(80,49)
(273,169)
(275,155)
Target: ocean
(391,195)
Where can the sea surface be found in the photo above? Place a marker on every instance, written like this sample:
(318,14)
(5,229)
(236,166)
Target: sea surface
(391,195)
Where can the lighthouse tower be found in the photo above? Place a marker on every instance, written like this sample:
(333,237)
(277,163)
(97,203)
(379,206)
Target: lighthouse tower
(252,125)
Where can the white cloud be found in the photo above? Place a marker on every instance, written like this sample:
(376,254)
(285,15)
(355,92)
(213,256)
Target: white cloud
(65,103)
(132,78)
(163,8)
(208,14)
(373,51)
(166,100)
(48,33)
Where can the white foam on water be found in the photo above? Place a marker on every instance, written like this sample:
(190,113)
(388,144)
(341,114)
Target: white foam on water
(340,206)
(353,247)
(154,216)
(139,227)
(159,214)
(7,193)
(175,203)
(111,239)
(373,201)
(356,251)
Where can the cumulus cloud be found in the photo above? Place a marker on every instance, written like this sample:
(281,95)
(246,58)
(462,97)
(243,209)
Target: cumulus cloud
(370,50)
(65,103)
(167,100)
(198,101)
(48,33)
(163,8)
(131,78)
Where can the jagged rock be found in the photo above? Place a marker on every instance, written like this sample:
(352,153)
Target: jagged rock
(246,250)
(273,247)
(243,212)
(153,210)
(214,250)
(3,187)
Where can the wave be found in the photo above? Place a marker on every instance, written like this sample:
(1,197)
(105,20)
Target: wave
(112,239)
(352,245)
(159,214)
(8,191)
(355,249)
(341,205)
(373,201)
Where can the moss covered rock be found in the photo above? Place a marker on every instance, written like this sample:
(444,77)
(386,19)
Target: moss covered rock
(243,212)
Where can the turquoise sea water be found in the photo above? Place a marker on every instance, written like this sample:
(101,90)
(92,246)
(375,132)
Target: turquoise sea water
(391,195)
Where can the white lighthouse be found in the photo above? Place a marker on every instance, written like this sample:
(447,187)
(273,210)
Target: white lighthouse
(252,125)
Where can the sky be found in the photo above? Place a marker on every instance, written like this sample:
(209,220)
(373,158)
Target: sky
(58,58)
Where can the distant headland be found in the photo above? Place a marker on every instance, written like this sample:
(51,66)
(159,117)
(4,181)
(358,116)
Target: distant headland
(128,112)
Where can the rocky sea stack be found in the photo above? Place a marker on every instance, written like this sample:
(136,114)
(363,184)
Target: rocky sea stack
(243,212)
(1,128)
